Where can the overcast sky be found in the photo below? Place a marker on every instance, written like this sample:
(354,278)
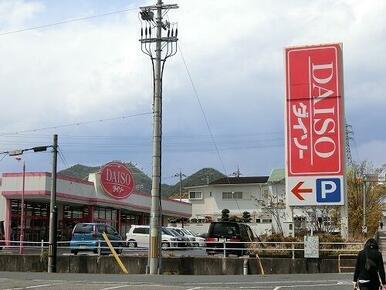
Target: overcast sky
(94,70)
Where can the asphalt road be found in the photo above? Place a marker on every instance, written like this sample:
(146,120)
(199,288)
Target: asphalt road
(18,281)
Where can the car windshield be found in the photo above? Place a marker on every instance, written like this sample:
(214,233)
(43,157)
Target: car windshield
(83,228)
(186,232)
(169,232)
(179,231)
(166,232)
(174,233)
(225,229)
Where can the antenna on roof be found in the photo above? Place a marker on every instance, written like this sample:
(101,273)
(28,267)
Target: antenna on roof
(237,173)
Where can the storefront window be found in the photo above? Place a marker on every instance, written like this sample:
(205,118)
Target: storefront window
(35,218)
(128,219)
(71,216)
(106,215)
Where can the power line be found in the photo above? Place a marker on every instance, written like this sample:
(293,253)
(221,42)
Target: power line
(75,124)
(61,156)
(202,109)
(66,21)
(206,120)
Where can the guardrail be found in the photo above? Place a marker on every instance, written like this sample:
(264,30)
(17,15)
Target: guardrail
(224,248)
(340,267)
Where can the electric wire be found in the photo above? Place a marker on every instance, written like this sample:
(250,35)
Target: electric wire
(4,155)
(66,21)
(76,124)
(61,156)
(205,119)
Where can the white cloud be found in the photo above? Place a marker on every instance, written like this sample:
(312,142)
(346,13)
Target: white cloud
(234,50)
(15,13)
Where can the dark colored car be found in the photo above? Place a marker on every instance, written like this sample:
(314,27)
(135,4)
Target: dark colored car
(235,236)
(88,237)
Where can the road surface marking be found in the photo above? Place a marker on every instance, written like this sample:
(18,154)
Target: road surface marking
(115,287)
(262,282)
(195,288)
(303,285)
(41,286)
(131,285)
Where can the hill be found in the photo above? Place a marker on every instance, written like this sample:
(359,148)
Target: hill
(143,182)
(201,177)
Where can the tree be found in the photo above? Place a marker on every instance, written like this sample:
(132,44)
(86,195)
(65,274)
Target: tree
(225,215)
(246,217)
(323,219)
(276,209)
(359,184)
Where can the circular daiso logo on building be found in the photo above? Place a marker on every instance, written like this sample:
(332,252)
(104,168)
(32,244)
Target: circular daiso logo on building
(117,180)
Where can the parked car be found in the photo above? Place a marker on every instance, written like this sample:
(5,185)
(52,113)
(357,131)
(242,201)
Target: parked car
(194,240)
(233,235)
(183,240)
(88,237)
(138,236)
(199,241)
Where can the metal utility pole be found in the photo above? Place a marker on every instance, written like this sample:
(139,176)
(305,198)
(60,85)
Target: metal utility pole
(180,175)
(22,221)
(159,49)
(52,249)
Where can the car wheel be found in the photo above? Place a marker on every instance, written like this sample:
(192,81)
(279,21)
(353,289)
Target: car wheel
(75,252)
(131,244)
(165,245)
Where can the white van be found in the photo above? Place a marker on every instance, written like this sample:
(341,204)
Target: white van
(138,236)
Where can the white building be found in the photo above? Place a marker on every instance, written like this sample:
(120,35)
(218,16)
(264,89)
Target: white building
(262,196)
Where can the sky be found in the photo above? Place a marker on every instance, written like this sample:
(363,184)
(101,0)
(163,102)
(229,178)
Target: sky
(89,82)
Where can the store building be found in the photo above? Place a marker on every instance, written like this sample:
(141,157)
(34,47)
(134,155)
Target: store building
(107,196)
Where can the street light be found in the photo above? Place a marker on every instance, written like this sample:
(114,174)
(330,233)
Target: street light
(22,222)
(53,210)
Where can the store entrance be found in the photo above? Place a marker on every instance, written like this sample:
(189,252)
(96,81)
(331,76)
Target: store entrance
(71,216)
(36,221)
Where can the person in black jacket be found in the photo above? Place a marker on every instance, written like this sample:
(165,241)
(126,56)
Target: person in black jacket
(369,269)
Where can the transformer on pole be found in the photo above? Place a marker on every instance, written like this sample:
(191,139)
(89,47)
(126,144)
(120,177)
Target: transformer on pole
(159,42)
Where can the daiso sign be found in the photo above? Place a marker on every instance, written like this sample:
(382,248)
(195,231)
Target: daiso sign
(116,180)
(314,117)
(314,111)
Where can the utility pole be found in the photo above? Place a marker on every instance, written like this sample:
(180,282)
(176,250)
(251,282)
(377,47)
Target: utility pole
(158,49)
(52,249)
(22,219)
(180,175)
(364,227)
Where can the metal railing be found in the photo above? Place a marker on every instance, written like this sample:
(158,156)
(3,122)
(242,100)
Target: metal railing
(224,248)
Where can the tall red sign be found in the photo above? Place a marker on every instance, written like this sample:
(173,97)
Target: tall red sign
(116,180)
(314,120)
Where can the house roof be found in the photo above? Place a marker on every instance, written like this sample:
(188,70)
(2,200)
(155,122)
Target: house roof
(277,175)
(241,180)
